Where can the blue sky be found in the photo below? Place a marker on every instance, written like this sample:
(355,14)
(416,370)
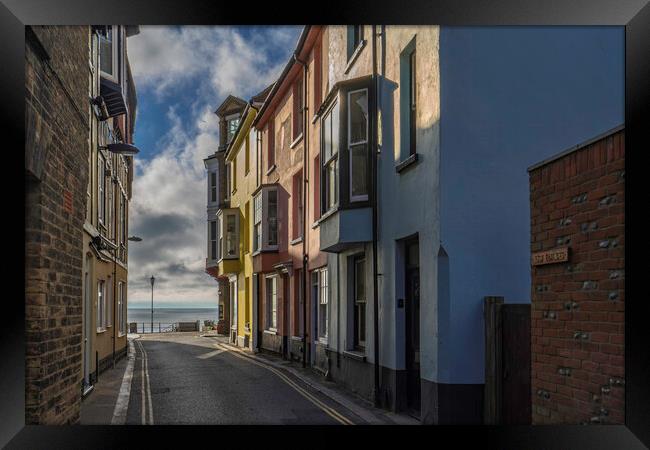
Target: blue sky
(182,74)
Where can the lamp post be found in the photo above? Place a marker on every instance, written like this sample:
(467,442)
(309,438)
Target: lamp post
(134,239)
(152,281)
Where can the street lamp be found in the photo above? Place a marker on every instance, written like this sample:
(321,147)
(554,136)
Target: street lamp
(152,281)
(134,238)
(121,148)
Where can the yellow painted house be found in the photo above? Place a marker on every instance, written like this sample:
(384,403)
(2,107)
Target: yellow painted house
(234,228)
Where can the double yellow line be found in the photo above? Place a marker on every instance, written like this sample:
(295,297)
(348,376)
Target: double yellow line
(328,410)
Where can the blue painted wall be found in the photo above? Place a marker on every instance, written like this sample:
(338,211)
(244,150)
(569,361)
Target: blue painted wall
(510,97)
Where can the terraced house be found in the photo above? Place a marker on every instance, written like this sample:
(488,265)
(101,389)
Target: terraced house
(80,118)
(378,209)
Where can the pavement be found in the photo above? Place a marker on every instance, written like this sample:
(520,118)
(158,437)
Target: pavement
(199,378)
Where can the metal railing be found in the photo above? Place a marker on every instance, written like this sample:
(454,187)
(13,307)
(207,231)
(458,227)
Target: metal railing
(167,327)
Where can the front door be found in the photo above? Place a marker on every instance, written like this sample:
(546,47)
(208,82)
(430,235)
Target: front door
(412,311)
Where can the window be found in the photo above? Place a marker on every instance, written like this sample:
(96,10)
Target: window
(123,219)
(101,306)
(355,36)
(121,308)
(358,144)
(257,223)
(247,157)
(359,303)
(272,303)
(271,144)
(213,240)
(233,175)
(297,207)
(318,75)
(101,185)
(228,182)
(228,234)
(329,158)
(108,49)
(273,216)
(323,299)
(232,122)
(265,220)
(297,109)
(247,218)
(213,186)
(408,106)
(231,247)
(316,184)
(109,304)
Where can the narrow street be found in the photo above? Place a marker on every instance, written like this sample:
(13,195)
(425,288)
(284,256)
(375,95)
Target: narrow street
(189,379)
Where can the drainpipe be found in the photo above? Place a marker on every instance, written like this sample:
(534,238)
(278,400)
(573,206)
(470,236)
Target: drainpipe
(114,263)
(305,168)
(374,218)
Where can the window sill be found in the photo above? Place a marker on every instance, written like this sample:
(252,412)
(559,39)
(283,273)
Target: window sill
(322,341)
(100,331)
(271,169)
(354,354)
(297,240)
(271,331)
(408,162)
(121,334)
(355,55)
(315,224)
(296,141)
(327,215)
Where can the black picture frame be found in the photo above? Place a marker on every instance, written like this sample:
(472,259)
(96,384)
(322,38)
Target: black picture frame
(634,15)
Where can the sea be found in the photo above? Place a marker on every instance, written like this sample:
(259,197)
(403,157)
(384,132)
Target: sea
(167,316)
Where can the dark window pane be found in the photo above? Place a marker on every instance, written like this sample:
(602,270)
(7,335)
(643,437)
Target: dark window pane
(358,113)
(359,170)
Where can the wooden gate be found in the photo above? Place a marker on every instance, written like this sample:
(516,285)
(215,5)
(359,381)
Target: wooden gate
(507,362)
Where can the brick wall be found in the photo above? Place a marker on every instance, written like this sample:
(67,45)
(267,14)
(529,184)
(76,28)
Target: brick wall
(577,323)
(56,163)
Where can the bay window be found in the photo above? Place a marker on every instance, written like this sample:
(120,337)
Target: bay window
(345,157)
(213,187)
(213,240)
(265,219)
(330,146)
(358,144)
(227,234)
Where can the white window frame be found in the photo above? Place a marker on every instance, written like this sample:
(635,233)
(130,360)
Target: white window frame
(229,119)
(258,212)
(271,321)
(109,304)
(212,188)
(325,163)
(222,216)
(121,308)
(115,29)
(101,306)
(364,197)
(323,303)
(101,189)
(213,238)
(265,241)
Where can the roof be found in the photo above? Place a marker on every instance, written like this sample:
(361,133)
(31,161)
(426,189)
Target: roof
(576,147)
(285,72)
(259,98)
(231,102)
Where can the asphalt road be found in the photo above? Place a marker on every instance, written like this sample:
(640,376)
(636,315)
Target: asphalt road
(192,380)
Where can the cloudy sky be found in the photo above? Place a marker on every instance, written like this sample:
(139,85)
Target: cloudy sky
(182,74)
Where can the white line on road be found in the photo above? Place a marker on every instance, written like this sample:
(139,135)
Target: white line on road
(122,404)
(210,354)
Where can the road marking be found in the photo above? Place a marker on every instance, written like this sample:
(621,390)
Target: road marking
(210,354)
(122,403)
(146,393)
(143,409)
(328,410)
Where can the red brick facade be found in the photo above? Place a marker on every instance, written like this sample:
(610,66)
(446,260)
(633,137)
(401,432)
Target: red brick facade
(577,326)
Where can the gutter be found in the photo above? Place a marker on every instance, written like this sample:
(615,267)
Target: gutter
(374,219)
(305,170)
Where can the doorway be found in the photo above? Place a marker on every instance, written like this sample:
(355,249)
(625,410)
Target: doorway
(412,315)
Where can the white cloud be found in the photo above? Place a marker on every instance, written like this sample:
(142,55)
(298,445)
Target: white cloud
(169,191)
